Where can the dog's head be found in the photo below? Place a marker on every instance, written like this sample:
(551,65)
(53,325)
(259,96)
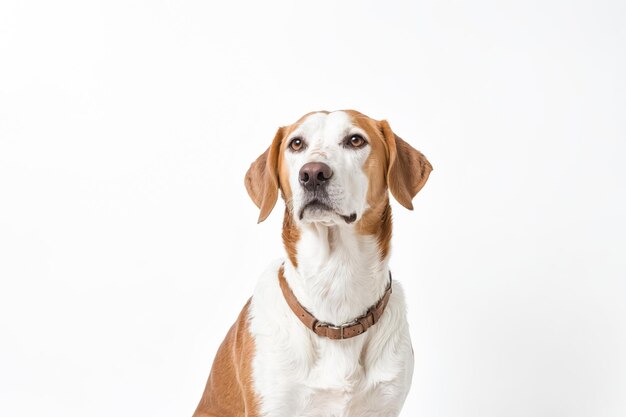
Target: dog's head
(334,168)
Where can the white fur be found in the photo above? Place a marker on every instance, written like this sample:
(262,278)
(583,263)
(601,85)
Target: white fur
(339,275)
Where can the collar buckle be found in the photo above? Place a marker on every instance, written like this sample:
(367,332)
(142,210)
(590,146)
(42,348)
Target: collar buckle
(341,327)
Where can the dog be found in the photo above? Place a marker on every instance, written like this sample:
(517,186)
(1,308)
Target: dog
(325,332)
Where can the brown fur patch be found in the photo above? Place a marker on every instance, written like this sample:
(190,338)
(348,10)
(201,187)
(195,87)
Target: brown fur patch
(229,391)
(376,220)
(392,165)
(291,232)
(291,236)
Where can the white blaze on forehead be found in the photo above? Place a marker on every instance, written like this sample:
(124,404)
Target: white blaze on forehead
(323,129)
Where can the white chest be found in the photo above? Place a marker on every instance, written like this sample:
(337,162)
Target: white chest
(297,373)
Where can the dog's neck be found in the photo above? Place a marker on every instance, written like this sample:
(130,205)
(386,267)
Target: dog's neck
(338,272)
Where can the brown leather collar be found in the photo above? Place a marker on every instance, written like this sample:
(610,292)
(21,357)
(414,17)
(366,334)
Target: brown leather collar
(331,331)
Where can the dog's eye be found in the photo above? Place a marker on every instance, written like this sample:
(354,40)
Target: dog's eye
(356,141)
(296,144)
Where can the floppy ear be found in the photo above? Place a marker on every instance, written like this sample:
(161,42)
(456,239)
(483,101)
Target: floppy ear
(262,178)
(408,168)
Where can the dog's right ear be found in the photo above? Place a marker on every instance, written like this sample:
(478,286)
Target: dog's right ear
(262,177)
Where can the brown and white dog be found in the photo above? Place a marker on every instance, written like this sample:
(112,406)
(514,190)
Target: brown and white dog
(325,332)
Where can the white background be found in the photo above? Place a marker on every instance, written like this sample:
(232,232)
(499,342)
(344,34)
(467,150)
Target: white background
(128,244)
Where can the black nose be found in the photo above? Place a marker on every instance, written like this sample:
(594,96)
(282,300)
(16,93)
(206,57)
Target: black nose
(314,175)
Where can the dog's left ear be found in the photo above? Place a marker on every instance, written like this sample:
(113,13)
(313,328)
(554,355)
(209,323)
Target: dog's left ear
(262,177)
(408,168)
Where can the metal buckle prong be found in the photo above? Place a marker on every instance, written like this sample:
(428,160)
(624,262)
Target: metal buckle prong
(340,328)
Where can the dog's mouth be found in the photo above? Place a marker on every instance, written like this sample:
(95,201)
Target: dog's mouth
(321,206)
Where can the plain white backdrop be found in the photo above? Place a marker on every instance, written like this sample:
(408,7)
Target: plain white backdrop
(128,243)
